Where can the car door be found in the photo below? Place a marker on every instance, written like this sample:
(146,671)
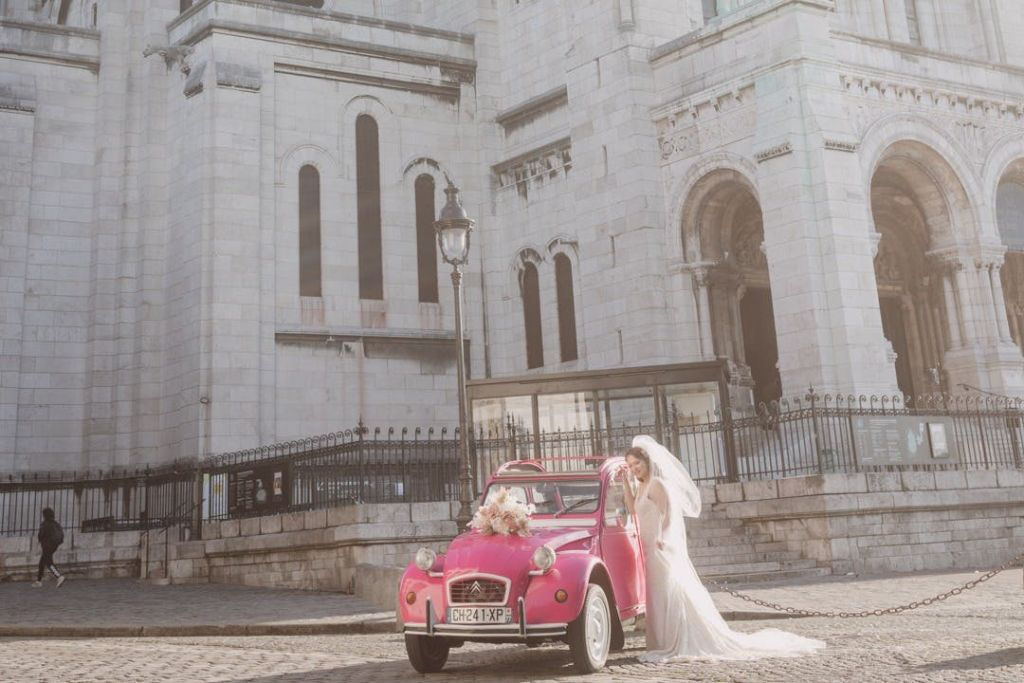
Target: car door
(620,549)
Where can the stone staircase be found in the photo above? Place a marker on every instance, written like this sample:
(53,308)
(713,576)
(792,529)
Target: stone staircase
(734,551)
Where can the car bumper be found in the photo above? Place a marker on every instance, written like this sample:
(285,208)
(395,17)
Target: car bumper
(513,631)
(485,631)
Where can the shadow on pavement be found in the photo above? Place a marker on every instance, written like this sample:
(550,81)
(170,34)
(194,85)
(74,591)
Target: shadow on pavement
(989,660)
(511,664)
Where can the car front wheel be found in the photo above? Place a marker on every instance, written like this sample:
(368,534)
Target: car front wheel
(590,632)
(426,654)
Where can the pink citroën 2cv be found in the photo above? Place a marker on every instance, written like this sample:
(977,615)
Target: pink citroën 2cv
(577,578)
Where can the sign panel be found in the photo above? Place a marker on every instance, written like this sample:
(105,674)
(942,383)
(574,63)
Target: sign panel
(257,490)
(904,440)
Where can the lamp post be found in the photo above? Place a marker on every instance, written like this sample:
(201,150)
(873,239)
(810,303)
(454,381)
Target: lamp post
(453,228)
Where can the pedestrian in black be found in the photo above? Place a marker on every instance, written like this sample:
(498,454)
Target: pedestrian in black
(51,535)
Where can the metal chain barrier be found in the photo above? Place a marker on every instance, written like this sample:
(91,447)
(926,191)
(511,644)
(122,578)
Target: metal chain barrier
(872,612)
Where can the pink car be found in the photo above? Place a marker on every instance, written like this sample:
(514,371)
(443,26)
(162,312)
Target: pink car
(577,578)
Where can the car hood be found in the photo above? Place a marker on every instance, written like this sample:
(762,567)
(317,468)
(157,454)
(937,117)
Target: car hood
(510,555)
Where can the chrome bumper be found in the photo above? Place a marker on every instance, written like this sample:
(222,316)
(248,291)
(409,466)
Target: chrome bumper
(522,630)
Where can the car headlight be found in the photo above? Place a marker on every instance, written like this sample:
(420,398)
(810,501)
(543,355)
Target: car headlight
(425,559)
(543,558)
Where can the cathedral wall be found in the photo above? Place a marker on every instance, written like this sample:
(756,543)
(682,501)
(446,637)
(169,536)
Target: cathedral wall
(46,198)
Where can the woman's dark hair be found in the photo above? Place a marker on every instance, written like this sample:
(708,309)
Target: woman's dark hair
(48,513)
(639,454)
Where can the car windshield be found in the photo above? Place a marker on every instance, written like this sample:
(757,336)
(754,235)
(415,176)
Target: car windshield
(552,497)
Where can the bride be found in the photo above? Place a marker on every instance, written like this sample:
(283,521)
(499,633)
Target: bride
(682,621)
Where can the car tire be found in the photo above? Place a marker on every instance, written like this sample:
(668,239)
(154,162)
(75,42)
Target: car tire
(590,632)
(427,654)
(618,643)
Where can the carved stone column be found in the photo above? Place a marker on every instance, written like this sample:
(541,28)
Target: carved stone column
(999,301)
(989,321)
(701,287)
(963,304)
(952,312)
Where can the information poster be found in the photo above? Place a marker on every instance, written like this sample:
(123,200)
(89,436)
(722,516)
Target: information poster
(257,490)
(903,440)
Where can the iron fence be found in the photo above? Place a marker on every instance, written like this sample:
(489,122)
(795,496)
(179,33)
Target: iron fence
(812,434)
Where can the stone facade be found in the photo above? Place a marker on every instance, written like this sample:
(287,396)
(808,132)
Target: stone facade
(840,178)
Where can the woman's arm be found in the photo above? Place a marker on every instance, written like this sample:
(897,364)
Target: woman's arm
(627,494)
(661,499)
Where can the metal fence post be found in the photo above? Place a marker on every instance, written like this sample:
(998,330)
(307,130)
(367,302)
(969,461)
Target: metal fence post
(818,450)
(732,473)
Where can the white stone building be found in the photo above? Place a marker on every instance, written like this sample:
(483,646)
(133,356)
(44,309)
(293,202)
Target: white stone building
(199,253)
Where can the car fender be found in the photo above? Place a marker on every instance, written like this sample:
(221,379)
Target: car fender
(425,587)
(572,572)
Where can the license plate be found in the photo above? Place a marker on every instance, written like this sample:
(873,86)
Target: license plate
(479,615)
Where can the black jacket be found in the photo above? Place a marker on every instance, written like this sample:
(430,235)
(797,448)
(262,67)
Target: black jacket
(51,535)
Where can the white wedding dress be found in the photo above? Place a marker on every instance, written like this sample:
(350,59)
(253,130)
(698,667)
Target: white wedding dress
(682,621)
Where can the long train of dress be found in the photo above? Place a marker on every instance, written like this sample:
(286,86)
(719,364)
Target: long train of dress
(682,620)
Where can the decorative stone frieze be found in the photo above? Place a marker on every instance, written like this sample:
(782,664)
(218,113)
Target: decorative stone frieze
(973,121)
(549,162)
(772,152)
(695,125)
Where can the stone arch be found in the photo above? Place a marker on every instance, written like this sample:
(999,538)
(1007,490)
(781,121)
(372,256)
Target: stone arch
(527,267)
(389,137)
(926,226)
(721,233)
(683,195)
(1004,181)
(936,155)
(570,309)
(419,165)
(302,155)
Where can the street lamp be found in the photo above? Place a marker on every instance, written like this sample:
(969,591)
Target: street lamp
(453,228)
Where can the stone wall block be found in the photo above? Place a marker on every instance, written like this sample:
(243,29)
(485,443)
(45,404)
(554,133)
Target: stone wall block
(792,487)
(381,513)
(270,524)
(211,530)
(760,490)
(229,528)
(293,521)
(708,496)
(349,514)
(982,479)
(950,480)
(918,481)
(842,482)
(249,526)
(1010,478)
(429,511)
(883,481)
(316,519)
(729,493)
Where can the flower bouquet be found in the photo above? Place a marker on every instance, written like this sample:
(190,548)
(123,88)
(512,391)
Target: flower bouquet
(504,515)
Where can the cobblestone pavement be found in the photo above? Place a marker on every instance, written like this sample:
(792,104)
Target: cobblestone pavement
(977,636)
(125,602)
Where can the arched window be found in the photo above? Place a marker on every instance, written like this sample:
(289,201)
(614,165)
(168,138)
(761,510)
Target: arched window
(426,242)
(531,317)
(371,262)
(309,231)
(566,308)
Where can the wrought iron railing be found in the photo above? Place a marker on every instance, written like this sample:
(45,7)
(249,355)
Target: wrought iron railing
(812,434)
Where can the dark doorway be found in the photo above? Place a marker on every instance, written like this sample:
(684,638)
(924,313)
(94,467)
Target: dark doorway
(759,345)
(895,331)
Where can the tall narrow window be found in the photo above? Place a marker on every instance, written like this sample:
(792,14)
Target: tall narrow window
(426,242)
(531,317)
(566,308)
(371,261)
(309,231)
(913,24)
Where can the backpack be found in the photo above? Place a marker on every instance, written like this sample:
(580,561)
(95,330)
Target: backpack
(58,534)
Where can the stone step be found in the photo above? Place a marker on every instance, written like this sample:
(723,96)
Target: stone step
(739,579)
(749,540)
(750,558)
(756,567)
(722,531)
(731,554)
